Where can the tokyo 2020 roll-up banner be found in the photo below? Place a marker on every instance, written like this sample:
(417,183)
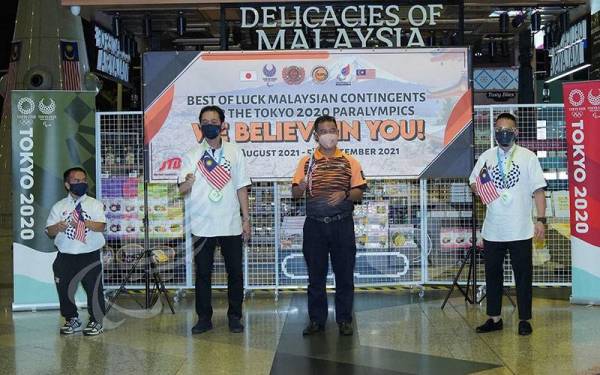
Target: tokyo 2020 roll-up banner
(51,131)
(402,113)
(582,116)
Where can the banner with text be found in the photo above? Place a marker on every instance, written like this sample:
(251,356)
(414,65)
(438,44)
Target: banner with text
(582,114)
(398,110)
(51,132)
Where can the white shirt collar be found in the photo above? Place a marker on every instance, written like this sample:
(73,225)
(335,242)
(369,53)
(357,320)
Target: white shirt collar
(75,201)
(506,153)
(206,146)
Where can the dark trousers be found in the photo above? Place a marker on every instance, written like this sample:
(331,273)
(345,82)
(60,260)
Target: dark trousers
(321,240)
(522,265)
(69,271)
(231,249)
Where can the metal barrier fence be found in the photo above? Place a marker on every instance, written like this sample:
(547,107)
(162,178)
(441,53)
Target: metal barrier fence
(409,232)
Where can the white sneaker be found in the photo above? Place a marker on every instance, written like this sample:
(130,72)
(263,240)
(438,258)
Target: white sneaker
(93,329)
(71,326)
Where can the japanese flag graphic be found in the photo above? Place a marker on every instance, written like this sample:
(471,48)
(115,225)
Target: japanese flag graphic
(248,75)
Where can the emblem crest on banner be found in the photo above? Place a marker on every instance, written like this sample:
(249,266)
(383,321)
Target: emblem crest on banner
(26,106)
(576,98)
(293,75)
(47,109)
(269,72)
(344,78)
(593,99)
(319,74)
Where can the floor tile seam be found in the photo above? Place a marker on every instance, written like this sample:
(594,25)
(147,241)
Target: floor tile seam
(506,365)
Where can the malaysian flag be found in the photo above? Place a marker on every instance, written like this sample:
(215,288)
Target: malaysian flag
(15,56)
(485,186)
(78,223)
(70,65)
(365,73)
(216,174)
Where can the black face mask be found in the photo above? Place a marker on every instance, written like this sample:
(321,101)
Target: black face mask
(505,137)
(79,189)
(211,131)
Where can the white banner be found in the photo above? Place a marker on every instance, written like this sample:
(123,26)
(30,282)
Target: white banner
(397,110)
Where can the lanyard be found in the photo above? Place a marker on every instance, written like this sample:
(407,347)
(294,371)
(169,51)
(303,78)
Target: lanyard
(214,152)
(509,165)
(309,173)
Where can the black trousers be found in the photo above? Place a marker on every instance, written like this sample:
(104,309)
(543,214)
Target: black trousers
(69,271)
(231,249)
(320,241)
(522,265)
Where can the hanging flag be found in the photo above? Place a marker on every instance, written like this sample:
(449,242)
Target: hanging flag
(11,76)
(485,186)
(216,174)
(76,230)
(70,65)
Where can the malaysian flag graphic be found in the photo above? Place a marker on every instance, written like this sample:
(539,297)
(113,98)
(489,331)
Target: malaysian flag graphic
(216,174)
(365,74)
(11,77)
(485,186)
(78,223)
(70,68)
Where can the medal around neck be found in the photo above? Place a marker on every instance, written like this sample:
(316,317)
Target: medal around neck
(215,195)
(505,197)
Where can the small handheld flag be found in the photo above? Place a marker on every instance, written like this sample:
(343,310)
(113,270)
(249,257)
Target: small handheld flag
(216,174)
(485,186)
(78,222)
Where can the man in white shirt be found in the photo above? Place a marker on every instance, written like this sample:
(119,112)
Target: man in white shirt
(213,178)
(76,223)
(508,179)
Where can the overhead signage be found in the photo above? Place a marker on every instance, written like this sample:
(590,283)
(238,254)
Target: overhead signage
(354,26)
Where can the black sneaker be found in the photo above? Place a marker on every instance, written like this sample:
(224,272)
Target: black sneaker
(313,328)
(93,329)
(202,326)
(525,328)
(235,326)
(489,326)
(346,329)
(71,326)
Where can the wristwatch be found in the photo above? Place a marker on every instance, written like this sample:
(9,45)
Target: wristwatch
(347,195)
(541,220)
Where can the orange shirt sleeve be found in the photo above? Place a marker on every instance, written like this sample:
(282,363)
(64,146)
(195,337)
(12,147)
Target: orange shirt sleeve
(299,175)
(358,177)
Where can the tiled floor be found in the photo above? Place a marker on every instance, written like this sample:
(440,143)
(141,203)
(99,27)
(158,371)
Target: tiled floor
(395,333)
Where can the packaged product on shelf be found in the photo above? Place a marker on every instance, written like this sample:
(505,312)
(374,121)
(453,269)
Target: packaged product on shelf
(460,193)
(108,255)
(458,238)
(377,239)
(402,235)
(396,190)
(111,187)
(561,203)
(114,229)
(130,188)
(291,232)
(114,207)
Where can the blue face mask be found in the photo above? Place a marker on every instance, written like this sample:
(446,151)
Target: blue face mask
(79,189)
(505,137)
(211,131)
